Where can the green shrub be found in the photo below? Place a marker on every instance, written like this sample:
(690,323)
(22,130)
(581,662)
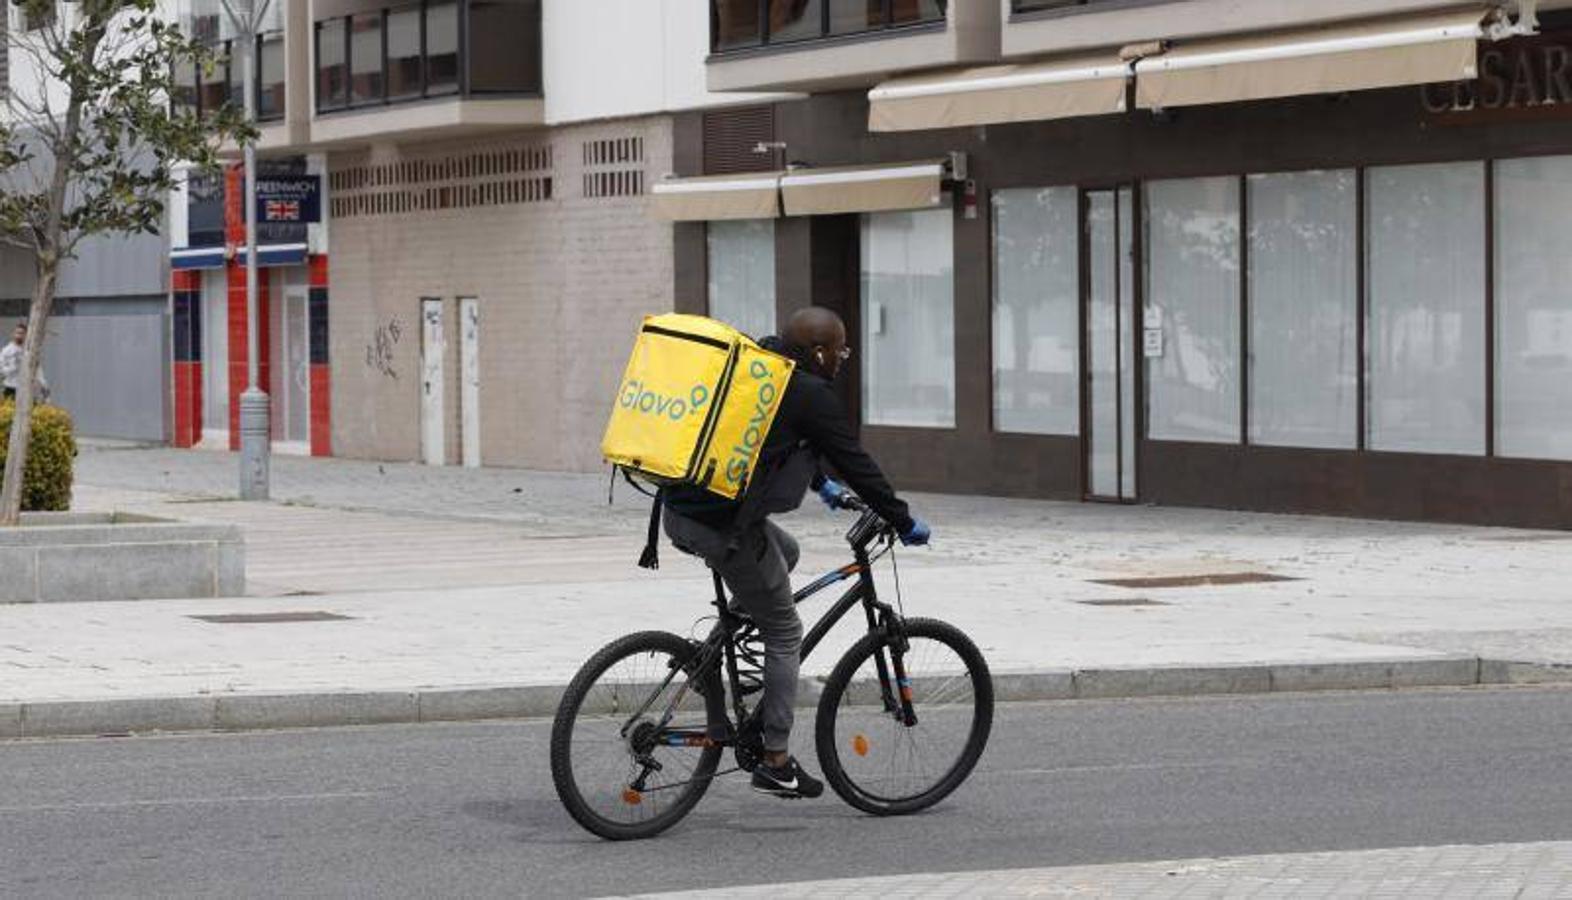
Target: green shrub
(46,485)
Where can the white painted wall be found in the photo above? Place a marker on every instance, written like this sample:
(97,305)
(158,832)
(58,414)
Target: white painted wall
(611,58)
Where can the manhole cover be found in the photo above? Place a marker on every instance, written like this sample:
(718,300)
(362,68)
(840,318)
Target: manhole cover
(273,618)
(1178,581)
(1122,601)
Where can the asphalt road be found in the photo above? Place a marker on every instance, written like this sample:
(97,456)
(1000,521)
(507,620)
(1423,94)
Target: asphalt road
(469,809)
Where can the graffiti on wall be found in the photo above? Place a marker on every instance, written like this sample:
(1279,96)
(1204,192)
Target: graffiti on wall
(380,351)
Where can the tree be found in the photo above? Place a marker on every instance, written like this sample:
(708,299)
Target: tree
(91,149)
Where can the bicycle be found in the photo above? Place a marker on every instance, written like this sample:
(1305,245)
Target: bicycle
(902,719)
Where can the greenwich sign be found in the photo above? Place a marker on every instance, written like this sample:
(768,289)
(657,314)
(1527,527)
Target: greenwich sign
(1519,76)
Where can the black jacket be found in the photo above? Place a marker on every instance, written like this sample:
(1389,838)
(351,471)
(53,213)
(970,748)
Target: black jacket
(810,427)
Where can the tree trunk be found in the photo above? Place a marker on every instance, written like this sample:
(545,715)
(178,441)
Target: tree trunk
(22,420)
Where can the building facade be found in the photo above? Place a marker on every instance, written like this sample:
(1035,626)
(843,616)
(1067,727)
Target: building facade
(483,248)
(1273,256)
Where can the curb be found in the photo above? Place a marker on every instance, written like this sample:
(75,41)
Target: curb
(249,712)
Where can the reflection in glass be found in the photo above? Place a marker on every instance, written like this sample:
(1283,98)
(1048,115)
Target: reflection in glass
(742,275)
(365,58)
(852,16)
(1192,283)
(794,20)
(1426,255)
(332,71)
(1533,308)
(442,48)
(735,23)
(1304,310)
(270,76)
(404,68)
(1036,351)
(908,318)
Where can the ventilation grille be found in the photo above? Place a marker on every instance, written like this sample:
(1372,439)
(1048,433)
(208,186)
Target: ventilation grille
(614,168)
(732,138)
(461,181)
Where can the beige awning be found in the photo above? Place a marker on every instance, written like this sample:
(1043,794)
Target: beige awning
(854,189)
(751,196)
(1390,52)
(1025,92)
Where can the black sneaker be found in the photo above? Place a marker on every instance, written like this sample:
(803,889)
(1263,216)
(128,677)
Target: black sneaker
(789,782)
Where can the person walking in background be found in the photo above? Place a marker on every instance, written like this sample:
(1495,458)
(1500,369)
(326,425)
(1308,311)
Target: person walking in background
(11,367)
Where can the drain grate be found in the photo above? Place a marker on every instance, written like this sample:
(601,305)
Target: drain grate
(1178,581)
(273,618)
(1123,601)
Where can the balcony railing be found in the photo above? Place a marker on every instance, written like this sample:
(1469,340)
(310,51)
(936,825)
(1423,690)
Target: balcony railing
(748,24)
(207,91)
(408,53)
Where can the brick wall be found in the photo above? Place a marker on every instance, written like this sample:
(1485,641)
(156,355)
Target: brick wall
(562,282)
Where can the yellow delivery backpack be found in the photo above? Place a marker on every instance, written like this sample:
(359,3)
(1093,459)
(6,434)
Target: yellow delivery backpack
(695,404)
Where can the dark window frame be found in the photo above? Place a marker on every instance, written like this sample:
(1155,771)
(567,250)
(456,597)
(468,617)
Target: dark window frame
(426,92)
(825,35)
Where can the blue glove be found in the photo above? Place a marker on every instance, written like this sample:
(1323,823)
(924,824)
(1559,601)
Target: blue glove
(833,493)
(917,535)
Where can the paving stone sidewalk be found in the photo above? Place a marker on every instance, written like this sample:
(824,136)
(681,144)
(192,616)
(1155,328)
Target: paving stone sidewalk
(462,592)
(1535,871)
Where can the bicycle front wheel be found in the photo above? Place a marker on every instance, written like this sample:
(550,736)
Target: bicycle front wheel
(612,766)
(876,758)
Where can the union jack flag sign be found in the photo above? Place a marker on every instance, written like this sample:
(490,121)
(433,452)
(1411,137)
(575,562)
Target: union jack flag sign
(281,211)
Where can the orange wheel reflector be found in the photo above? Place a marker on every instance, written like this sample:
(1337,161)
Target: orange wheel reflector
(632,797)
(860,745)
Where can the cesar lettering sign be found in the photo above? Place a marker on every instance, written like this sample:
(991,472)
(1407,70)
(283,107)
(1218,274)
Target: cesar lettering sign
(289,198)
(1518,78)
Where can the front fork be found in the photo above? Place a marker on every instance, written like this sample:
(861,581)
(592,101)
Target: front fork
(895,688)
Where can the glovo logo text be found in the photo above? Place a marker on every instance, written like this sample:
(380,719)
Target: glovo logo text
(637,398)
(766,392)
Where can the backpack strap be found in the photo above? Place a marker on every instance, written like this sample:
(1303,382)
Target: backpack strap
(650,558)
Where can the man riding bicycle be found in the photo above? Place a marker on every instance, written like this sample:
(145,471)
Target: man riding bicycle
(754,556)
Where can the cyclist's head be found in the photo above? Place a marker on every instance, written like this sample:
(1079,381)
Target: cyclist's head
(821,335)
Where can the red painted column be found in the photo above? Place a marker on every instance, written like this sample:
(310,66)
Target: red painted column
(239,346)
(321,371)
(186,291)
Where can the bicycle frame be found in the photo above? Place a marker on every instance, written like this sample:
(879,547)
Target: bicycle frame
(720,648)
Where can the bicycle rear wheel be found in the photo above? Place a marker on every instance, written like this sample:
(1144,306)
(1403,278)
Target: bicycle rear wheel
(875,760)
(613,773)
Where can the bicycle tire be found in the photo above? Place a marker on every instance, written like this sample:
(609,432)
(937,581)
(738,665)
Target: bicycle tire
(659,647)
(855,788)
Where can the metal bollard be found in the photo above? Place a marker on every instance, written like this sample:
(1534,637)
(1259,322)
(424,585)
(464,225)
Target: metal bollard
(254,444)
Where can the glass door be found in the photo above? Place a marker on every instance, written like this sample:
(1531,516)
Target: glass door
(1110,344)
(291,358)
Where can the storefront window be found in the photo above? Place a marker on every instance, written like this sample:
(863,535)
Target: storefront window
(442,68)
(332,67)
(742,275)
(908,318)
(1036,342)
(1533,308)
(1304,310)
(1426,262)
(365,58)
(1192,286)
(404,65)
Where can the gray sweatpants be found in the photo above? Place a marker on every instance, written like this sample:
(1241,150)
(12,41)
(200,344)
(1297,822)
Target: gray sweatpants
(758,574)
